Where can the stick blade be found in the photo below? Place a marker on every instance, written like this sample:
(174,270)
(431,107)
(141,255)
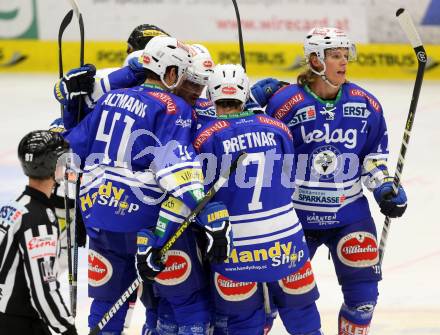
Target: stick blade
(408,27)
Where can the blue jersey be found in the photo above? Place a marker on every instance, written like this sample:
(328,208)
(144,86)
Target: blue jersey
(337,142)
(134,147)
(105,81)
(268,238)
(205,111)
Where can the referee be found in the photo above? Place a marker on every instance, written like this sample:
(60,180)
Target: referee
(30,300)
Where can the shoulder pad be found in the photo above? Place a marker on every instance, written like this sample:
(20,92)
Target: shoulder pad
(207,132)
(203,103)
(289,96)
(356,91)
(273,122)
(12,212)
(167,99)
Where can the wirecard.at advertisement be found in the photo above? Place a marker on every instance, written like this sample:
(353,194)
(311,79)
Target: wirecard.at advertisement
(282,60)
(285,21)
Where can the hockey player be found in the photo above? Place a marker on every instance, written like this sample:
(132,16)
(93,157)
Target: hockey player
(339,135)
(30,300)
(136,146)
(269,244)
(88,84)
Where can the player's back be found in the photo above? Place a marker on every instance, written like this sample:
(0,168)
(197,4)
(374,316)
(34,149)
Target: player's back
(268,242)
(128,137)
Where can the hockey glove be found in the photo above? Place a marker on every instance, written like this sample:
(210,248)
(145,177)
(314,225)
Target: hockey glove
(76,82)
(148,260)
(263,90)
(214,219)
(390,205)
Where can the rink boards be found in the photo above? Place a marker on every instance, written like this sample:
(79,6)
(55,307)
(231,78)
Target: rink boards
(374,61)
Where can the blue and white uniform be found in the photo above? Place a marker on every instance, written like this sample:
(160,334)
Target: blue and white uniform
(135,147)
(339,145)
(269,244)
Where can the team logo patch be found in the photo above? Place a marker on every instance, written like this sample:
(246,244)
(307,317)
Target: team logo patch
(208,132)
(325,162)
(358,249)
(281,112)
(231,290)
(351,328)
(328,112)
(300,282)
(100,269)
(177,268)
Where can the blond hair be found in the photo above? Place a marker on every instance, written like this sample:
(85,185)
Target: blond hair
(306,77)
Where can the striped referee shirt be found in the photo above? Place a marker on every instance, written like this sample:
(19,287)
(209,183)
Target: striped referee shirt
(28,261)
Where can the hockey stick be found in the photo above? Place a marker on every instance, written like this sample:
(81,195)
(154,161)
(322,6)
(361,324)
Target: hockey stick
(408,27)
(70,176)
(240,35)
(73,270)
(66,21)
(78,14)
(191,217)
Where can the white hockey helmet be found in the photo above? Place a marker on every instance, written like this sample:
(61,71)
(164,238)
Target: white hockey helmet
(202,65)
(322,38)
(164,51)
(228,81)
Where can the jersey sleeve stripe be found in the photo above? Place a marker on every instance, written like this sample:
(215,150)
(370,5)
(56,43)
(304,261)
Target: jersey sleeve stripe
(297,228)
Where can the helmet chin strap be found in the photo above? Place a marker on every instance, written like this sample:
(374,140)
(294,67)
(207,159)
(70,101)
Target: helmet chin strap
(322,74)
(170,87)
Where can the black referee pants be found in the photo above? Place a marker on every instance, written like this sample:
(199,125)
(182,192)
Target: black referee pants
(20,325)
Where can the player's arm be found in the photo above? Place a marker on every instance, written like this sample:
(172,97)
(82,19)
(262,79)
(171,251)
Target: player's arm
(90,85)
(262,91)
(375,171)
(38,249)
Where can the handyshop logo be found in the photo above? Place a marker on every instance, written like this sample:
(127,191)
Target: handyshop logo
(278,253)
(18,20)
(109,195)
